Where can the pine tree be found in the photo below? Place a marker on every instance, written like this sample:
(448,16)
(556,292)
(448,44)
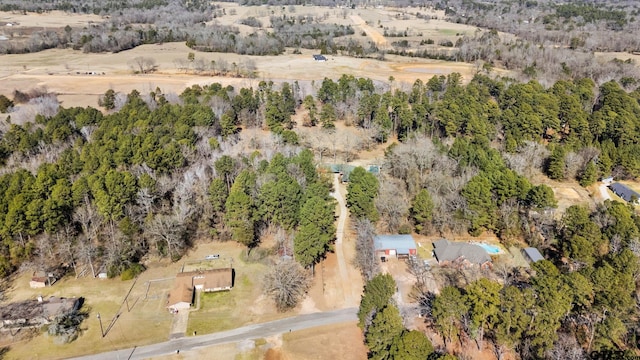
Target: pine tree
(589,175)
(377,293)
(411,345)
(422,210)
(556,164)
(385,327)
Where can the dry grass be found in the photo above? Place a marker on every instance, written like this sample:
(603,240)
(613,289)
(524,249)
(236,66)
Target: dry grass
(341,341)
(145,323)
(56,19)
(567,193)
(64,71)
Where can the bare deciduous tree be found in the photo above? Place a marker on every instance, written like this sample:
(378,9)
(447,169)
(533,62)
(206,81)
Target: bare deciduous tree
(167,230)
(143,64)
(365,252)
(90,221)
(566,348)
(392,204)
(287,283)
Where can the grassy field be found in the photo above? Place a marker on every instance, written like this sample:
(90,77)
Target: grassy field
(64,71)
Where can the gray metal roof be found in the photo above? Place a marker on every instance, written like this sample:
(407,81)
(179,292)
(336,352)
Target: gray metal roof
(401,243)
(446,250)
(533,254)
(624,192)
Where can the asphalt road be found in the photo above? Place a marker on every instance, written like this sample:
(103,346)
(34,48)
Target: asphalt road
(255,331)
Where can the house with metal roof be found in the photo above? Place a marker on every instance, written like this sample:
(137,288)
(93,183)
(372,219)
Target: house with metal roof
(625,192)
(460,254)
(394,245)
(532,254)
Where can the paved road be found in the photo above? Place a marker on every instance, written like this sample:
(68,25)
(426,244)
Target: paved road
(244,333)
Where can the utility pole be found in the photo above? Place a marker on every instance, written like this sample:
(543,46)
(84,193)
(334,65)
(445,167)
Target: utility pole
(101,328)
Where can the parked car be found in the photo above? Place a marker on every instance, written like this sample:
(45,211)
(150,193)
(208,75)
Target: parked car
(212,257)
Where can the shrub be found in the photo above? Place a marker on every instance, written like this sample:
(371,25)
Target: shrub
(5,104)
(131,272)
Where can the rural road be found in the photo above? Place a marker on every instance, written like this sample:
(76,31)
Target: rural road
(342,218)
(255,331)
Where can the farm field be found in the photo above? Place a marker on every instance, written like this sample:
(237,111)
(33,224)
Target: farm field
(80,78)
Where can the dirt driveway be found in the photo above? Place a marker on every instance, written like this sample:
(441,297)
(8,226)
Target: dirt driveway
(374,34)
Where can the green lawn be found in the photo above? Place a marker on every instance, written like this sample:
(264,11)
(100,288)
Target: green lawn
(231,309)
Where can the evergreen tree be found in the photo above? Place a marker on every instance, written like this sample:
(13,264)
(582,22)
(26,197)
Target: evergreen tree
(411,345)
(316,231)
(361,194)
(385,328)
(328,116)
(556,164)
(377,293)
(447,311)
(239,216)
(541,197)
(422,210)
(589,175)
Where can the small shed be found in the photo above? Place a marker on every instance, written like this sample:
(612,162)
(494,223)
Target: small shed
(532,254)
(41,279)
(625,192)
(395,245)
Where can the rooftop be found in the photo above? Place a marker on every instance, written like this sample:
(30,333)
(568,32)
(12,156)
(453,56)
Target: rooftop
(624,192)
(446,250)
(533,254)
(401,243)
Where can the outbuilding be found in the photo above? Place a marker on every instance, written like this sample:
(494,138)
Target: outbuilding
(395,245)
(625,192)
(532,254)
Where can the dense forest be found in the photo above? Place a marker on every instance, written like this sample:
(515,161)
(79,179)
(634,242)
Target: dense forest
(152,173)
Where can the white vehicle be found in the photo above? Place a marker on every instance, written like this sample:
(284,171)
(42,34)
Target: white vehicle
(212,257)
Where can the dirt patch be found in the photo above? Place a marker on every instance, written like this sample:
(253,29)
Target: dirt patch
(377,38)
(567,193)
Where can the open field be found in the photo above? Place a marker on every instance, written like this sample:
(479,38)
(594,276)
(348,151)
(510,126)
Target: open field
(64,71)
(15,21)
(80,78)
